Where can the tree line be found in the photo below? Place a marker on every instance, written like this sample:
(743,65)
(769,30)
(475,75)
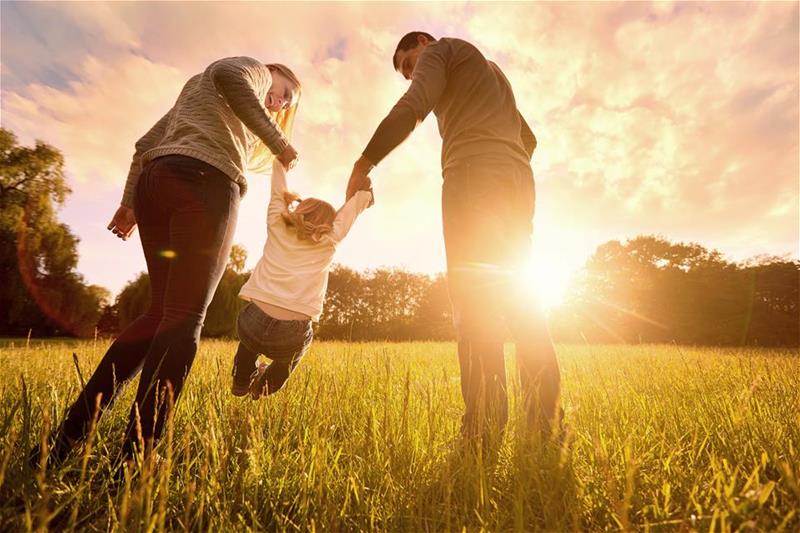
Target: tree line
(646,289)
(41,291)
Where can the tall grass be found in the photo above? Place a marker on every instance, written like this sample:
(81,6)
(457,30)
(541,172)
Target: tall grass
(364,437)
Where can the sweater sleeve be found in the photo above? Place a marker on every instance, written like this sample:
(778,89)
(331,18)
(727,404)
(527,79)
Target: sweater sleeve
(148,141)
(528,138)
(347,215)
(276,202)
(236,80)
(428,82)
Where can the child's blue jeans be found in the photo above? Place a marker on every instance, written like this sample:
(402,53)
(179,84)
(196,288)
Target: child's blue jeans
(282,341)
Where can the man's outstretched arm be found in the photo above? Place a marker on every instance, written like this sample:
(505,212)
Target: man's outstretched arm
(427,84)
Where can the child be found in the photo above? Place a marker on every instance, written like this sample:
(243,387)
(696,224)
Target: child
(288,285)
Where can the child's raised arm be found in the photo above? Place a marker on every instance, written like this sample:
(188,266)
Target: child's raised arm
(276,202)
(347,215)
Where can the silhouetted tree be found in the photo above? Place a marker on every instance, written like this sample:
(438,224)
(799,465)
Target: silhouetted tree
(646,289)
(651,290)
(385,304)
(41,290)
(133,300)
(222,312)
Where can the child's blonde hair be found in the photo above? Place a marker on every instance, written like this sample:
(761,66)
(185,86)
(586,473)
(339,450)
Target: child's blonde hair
(311,217)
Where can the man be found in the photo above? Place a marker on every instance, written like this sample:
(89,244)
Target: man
(487,209)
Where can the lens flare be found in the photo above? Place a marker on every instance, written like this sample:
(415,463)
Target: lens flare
(545,281)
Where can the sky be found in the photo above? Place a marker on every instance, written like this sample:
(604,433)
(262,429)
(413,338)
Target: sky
(677,119)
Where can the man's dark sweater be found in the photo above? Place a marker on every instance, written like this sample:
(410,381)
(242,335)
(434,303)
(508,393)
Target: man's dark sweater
(473,103)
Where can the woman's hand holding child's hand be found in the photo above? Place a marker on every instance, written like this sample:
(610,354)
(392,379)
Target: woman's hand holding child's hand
(288,157)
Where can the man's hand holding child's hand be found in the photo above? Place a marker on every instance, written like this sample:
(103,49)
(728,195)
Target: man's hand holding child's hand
(360,180)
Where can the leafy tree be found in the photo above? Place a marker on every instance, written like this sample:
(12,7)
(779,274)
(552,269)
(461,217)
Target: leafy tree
(646,289)
(222,312)
(651,290)
(344,307)
(385,304)
(133,300)
(41,292)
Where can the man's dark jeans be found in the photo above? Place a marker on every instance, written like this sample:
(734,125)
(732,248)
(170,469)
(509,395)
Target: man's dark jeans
(186,212)
(283,341)
(487,210)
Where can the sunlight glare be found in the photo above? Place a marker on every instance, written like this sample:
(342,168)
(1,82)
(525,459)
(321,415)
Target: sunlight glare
(547,280)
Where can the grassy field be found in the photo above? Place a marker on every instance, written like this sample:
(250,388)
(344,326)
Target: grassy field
(660,438)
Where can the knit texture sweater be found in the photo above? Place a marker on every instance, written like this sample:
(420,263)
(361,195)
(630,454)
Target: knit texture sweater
(219,117)
(293,273)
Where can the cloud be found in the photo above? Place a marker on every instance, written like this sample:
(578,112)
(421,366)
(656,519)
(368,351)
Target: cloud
(674,118)
(96,119)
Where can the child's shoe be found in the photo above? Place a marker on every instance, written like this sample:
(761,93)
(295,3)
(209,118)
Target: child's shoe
(241,382)
(258,383)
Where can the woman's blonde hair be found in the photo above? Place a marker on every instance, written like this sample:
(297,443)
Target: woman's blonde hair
(312,218)
(260,156)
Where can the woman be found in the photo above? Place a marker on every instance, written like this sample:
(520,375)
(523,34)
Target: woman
(183,191)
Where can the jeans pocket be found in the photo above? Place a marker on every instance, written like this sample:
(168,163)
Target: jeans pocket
(220,193)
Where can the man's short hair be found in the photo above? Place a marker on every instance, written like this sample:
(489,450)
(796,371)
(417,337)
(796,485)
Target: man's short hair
(408,42)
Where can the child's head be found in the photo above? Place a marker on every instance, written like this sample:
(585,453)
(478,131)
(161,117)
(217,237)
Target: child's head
(311,217)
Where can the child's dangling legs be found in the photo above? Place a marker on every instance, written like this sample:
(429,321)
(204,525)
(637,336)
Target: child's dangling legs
(244,366)
(283,341)
(271,378)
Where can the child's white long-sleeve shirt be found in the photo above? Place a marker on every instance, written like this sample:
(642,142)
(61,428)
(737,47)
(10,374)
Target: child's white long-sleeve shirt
(293,273)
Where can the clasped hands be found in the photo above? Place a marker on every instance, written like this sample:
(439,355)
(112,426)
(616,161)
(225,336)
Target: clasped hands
(123,223)
(360,180)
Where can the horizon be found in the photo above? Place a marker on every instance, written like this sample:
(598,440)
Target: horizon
(639,132)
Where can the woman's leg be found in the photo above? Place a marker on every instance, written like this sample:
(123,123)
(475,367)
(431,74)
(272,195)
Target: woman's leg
(202,204)
(125,356)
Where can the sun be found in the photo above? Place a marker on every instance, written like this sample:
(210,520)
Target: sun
(545,281)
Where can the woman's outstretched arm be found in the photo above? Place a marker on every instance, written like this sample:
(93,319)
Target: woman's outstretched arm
(236,78)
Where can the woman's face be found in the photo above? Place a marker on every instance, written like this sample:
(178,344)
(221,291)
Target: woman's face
(282,95)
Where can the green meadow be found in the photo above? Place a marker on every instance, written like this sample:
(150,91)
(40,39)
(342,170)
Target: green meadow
(365,438)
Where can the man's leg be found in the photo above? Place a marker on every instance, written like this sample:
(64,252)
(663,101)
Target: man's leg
(483,386)
(540,378)
(474,283)
(536,356)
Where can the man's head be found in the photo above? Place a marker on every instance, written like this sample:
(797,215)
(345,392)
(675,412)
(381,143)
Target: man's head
(408,50)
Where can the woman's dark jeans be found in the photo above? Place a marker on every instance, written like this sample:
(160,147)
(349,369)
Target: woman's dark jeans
(283,341)
(186,212)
